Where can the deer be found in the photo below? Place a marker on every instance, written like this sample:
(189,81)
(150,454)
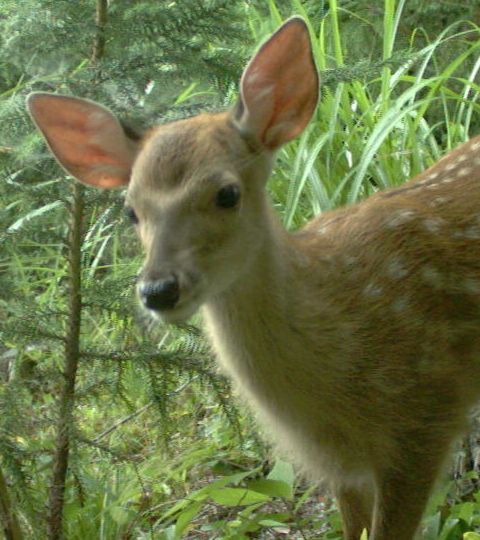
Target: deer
(355,339)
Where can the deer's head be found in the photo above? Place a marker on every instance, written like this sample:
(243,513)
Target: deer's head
(195,187)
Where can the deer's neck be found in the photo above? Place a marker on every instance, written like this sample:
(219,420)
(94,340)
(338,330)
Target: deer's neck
(250,325)
(274,333)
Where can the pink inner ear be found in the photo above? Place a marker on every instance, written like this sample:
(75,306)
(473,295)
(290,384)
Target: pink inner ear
(86,139)
(279,87)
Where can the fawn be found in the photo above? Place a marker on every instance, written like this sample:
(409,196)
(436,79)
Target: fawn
(356,339)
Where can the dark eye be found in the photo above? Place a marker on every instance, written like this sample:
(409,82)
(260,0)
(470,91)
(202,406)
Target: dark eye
(130,213)
(228,196)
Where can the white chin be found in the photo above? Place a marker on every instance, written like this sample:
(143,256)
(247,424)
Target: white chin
(175,316)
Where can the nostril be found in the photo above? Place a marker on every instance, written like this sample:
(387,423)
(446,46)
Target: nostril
(161,294)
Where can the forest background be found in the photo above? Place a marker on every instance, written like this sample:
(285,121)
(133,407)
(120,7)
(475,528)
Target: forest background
(112,427)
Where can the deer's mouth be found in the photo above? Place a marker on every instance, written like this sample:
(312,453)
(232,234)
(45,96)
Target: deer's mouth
(176,315)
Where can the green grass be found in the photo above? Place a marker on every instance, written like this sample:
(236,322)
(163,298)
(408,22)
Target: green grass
(372,134)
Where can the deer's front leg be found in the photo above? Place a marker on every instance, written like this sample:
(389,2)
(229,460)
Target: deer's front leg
(402,494)
(356,509)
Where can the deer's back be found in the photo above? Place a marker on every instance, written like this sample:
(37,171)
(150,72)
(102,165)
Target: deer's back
(409,254)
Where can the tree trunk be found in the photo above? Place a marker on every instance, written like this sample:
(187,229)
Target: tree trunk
(100,21)
(72,341)
(72,352)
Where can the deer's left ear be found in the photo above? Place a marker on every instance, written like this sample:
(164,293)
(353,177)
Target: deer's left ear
(279,88)
(85,138)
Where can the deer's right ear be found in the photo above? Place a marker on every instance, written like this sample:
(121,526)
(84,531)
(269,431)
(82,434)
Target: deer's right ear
(279,87)
(86,138)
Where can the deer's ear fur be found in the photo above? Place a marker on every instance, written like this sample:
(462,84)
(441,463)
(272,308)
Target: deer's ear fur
(85,138)
(279,88)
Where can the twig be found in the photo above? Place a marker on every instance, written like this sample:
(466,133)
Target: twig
(122,421)
(138,412)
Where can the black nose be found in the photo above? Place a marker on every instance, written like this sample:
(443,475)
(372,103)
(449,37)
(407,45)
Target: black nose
(160,294)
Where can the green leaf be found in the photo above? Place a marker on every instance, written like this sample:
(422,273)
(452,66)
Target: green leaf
(246,512)
(169,534)
(274,488)
(283,472)
(471,536)
(466,511)
(17,225)
(120,515)
(230,479)
(185,518)
(237,497)
(452,529)
(281,527)
(432,529)
(204,492)
(215,526)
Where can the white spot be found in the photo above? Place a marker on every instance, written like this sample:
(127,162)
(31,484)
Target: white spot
(437,201)
(448,179)
(149,87)
(464,171)
(432,186)
(461,157)
(348,260)
(450,166)
(397,269)
(472,233)
(431,275)
(429,177)
(471,286)
(399,304)
(401,217)
(433,225)
(349,157)
(373,290)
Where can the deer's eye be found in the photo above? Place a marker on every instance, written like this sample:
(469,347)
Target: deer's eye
(228,196)
(131,215)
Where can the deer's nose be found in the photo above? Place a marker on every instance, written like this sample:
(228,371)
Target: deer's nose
(160,294)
